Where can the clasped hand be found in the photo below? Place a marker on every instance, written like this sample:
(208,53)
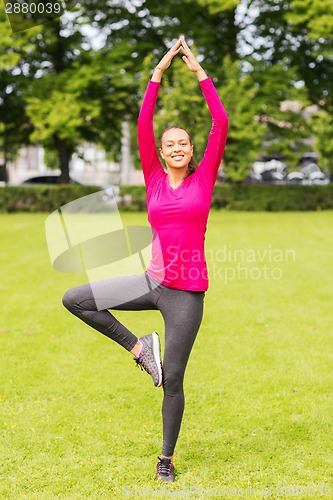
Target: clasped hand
(188,57)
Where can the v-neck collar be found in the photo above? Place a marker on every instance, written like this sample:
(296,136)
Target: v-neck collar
(172,188)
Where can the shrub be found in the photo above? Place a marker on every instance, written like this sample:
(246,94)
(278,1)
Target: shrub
(271,198)
(133,198)
(40,198)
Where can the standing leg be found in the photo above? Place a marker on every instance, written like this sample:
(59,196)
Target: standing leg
(182,312)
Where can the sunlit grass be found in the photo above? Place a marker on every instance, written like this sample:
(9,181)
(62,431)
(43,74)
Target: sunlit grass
(78,421)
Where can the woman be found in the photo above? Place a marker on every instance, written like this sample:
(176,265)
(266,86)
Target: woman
(178,204)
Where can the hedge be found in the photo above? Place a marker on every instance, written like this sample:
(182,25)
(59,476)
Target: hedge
(40,198)
(270,198)
(231,197)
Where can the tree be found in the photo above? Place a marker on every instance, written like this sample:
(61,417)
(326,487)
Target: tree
(72,90)
(213,30)
(318,19)
(149,26)
(84,94)
(245,131)
(72,93)
(84,103)
(15,127)
(298,34)
(317,16)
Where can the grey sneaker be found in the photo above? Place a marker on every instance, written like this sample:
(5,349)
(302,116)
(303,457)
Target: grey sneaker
(165,470)
(149,358)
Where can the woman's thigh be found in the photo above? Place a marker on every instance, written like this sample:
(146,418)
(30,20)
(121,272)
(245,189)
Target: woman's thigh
(132,292)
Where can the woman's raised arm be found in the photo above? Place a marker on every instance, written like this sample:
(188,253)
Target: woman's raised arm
(210,163)
(151,166)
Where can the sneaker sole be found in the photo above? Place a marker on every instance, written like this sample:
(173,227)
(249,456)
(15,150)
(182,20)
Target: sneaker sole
(157,356)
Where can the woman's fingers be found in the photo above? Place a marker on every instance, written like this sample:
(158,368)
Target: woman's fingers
(179,45)
(185,48)
(166,60)
(176,47)
(176,50)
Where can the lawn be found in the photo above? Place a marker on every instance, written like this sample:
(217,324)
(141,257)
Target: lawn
(78,421)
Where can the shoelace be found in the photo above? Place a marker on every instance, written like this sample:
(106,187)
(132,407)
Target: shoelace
(164,467)
(140,363)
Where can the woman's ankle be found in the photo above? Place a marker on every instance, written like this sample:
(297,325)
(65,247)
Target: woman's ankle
(137,348)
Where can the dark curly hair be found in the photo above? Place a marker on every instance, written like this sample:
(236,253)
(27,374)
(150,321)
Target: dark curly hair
(193,165)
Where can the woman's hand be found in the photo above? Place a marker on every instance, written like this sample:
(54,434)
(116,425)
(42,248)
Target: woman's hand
(167,60)
(188,57)
(190,60)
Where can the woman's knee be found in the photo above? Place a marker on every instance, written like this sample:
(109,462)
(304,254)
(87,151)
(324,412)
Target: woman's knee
(173,381)
(69,299)
(79,299)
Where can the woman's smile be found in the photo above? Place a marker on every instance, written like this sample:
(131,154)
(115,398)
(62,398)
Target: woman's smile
(176,148)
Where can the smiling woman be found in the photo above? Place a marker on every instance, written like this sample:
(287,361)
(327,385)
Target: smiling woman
(178,204)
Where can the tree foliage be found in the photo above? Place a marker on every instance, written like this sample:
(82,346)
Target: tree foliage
(15,126)
(323,129)
(299,34)
(245,130)
(60,87)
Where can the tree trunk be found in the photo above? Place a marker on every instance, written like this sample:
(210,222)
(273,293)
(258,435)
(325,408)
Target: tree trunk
(64,153)
(4,173)
(64,150)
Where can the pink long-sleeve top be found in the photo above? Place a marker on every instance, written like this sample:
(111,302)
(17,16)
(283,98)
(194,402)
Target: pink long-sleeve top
(178,217)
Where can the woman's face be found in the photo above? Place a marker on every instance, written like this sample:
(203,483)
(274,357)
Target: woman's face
(176,148)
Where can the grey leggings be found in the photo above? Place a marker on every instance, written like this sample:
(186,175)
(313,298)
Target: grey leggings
(182,313)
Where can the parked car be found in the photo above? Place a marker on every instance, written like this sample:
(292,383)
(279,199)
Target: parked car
(295,177)
(308,158)
(110,193)
(46,179)
(310,170)
(270,170)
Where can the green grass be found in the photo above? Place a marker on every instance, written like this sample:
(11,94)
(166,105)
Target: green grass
(79,422)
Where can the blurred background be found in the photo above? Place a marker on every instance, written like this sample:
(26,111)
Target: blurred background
(70,89)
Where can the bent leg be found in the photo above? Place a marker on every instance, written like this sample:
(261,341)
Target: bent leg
(182,312)
(130,293)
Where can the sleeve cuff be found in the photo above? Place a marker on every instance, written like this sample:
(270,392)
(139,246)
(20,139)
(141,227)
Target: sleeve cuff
(154,83)
(206,80)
